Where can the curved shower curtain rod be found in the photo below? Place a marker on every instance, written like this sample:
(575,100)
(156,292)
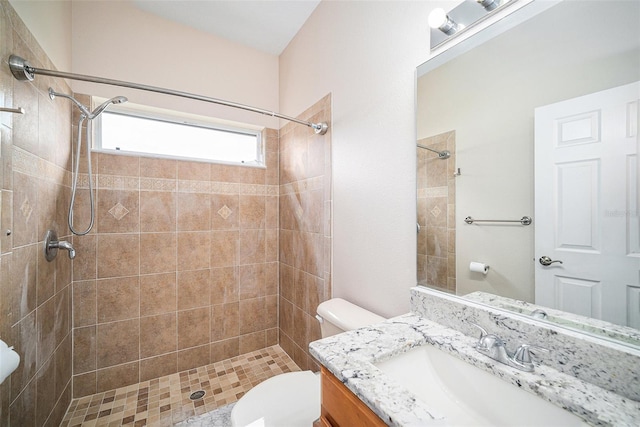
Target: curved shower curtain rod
(22,70)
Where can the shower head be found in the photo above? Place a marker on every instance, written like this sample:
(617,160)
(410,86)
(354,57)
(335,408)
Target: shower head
(85,111)
(117,100)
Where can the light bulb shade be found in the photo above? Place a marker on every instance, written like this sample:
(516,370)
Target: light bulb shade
(438,19)
(489,5)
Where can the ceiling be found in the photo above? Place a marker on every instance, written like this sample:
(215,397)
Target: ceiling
(265,25)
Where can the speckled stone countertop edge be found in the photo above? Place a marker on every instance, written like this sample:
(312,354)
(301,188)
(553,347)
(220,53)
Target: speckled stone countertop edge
(350,357)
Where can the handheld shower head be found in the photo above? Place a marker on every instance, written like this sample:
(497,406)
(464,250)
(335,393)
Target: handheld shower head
(117,100)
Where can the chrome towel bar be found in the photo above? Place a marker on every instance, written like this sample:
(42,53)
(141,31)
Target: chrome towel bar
(18,110)
(525,220)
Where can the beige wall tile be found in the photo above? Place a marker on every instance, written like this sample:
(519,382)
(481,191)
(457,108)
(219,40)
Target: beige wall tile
(22,293)
(84,350)
(252,315)
(253,341)
(194,212)
(85,262)
(24,339)
(225,321)
(252,246)
(226,349)
(252,212)
(225,285)
(118,255)
(157,211)
(158,252)
(194,250)
(194,357)
(84,384)
(117,343)
(194,289)
(200,171)
(158,294)
(118,164)
(117,376)
(158,335)
(158,168)
(25,210)
(225,248)
(194,327)
(45,392)
(252,281)
(118,299)
(158,366)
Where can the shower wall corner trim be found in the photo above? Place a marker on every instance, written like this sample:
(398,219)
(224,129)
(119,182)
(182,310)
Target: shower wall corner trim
(22,70)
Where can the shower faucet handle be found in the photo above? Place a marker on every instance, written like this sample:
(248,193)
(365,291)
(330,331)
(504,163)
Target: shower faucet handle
(52,244)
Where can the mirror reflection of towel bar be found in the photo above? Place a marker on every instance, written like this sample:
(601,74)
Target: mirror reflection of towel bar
(525,220)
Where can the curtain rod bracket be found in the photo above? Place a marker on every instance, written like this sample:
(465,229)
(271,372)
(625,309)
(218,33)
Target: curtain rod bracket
(22,70)
(320,128)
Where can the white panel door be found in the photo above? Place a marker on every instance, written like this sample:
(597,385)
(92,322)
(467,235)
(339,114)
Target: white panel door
(586,200)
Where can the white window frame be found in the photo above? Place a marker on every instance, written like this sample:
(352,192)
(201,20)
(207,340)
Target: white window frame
(181,119)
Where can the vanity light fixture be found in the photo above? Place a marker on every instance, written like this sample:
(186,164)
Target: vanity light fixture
(489,5)
(438,19)
(449,25)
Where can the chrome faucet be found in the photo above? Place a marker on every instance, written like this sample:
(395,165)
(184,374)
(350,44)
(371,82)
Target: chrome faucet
(52,244)
(496,348)
(62,244)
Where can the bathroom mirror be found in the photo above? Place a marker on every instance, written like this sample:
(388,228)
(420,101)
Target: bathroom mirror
(478,101)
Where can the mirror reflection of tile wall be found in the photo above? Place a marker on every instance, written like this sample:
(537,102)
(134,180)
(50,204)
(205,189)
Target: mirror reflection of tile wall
(436,213)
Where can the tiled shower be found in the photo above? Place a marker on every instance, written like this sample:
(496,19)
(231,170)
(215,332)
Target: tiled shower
(436,195)
(189,263)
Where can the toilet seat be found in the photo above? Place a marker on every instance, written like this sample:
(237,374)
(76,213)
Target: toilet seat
(291,399)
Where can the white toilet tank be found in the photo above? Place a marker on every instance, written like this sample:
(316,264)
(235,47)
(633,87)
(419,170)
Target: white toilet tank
(337,315)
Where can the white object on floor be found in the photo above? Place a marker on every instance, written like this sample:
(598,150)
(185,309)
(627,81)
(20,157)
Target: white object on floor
(301,407)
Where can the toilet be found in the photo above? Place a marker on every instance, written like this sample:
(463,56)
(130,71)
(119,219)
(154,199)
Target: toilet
(293,399)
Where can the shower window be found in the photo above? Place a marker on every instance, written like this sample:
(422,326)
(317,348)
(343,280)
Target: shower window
(161,137)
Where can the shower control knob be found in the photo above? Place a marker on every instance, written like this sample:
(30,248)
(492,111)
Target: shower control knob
(545,260)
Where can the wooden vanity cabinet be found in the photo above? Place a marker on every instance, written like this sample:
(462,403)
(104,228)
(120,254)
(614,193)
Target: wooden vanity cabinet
(341,408)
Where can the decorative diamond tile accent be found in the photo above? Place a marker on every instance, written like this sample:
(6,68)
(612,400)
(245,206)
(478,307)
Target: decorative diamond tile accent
(118,211)
(436,212)
(224,212)
(26,209)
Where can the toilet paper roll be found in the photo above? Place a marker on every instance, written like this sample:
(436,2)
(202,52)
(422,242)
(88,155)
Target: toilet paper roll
(478,267)
(9,361)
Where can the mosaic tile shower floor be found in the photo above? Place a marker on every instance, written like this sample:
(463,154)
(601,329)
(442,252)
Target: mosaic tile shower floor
(164,401)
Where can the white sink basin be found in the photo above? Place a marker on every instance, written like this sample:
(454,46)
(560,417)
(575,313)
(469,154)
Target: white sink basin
(469,396)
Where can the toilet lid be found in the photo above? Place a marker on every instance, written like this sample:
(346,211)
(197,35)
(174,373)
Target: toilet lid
(291,399)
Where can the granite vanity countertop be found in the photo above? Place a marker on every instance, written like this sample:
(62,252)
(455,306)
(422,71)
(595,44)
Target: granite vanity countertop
(350,357)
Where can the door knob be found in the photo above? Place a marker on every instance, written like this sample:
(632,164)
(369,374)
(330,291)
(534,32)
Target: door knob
(545,260)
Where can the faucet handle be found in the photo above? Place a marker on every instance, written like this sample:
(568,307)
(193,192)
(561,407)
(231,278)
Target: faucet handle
(487,342)
(483,331)
(522,354)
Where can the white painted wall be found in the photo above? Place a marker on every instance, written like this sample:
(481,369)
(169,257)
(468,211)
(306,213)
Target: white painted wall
(365,54)
(50,23)
(114,39)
